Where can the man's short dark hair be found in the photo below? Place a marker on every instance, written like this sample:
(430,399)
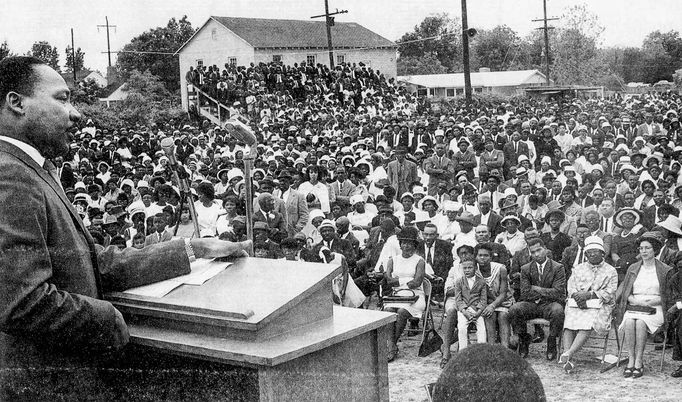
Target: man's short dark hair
(17,74)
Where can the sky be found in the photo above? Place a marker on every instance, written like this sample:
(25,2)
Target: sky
(23,22)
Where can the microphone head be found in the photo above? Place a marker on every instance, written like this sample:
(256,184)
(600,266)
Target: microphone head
(168,145)
(240,131)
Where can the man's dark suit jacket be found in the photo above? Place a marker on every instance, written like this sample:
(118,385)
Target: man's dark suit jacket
(52,277)
(493,223)
(442,258)
(511,157)
(277,222)
(341,246)
(553,280)
(568,258)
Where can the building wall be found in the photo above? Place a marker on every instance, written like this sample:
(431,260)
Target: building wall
(383,60)
(214,44)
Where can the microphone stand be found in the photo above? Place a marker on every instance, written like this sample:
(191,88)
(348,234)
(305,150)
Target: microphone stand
(185,196)
(248,166)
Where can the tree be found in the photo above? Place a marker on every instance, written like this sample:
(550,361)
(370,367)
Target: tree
(427,64)
(161,39)
(575,50)
(86,92)
(662,53)
(48,54)
(4,50)
(79,58)
(499,49)
(438,34)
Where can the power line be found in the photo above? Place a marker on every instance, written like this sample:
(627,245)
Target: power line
(107,26)
(546,29)
(329,22)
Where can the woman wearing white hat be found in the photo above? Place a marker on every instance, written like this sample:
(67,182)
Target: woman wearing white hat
(591,291)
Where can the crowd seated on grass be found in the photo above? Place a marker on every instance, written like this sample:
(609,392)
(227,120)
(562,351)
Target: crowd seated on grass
(515,209)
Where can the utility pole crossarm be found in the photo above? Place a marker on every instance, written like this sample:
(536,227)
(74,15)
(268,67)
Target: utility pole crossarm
(107,26)
(329,21)
(546,28)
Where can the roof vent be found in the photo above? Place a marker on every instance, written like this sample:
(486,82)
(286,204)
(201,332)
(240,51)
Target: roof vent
(484,70)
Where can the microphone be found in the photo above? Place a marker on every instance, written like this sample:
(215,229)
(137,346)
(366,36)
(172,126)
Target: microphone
(168,146)
(240,131)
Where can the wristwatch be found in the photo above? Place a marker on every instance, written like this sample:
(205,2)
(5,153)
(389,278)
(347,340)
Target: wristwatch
(189,250)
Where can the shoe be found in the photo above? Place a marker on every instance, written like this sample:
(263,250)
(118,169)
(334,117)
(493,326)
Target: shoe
(568,367)
(677,373)
(443,362)
(539,334)
(563,358)
(637,372)
(627,373)
(392,354)
(524,342)
(551,348)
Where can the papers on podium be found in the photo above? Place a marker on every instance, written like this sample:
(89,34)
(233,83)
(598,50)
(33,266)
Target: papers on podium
(201,271)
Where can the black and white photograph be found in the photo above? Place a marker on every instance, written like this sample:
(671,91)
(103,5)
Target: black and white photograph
(385,200)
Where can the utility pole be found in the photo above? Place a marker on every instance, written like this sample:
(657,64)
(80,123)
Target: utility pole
(73,58)
(329,22)
(546,29)
(465,53)
(107,26)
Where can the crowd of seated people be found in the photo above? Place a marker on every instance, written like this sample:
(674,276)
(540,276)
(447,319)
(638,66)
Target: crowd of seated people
(511,209)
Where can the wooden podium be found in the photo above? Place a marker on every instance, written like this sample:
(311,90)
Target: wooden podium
(259,330)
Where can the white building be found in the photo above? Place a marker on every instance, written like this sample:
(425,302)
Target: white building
(485,81)
(242,41)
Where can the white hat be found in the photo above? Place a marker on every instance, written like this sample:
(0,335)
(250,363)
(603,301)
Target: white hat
(142,183)
(594,243)
(327,223)
(509,191)
(449,205)
(546,159)
(356,198)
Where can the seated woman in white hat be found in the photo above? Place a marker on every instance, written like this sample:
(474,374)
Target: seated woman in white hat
(591,291)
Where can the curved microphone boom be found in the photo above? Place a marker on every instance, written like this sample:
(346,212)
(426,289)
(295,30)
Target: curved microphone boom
(239,130)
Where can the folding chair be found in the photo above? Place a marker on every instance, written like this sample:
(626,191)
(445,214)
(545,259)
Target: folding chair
(545,323)
(427,317)
(648,342)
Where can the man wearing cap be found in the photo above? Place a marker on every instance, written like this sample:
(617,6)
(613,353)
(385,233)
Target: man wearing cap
(401,172)
(52,275)
(439,168)
(543,292)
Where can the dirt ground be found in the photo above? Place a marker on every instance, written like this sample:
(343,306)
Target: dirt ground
(409,373)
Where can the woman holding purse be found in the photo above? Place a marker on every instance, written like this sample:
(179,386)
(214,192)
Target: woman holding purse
(405,272)
(591,291)
(642,301)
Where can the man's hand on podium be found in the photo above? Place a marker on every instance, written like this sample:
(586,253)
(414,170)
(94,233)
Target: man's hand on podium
(215,248)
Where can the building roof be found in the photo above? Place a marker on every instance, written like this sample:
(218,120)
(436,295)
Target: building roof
(81,75)
(478,79)
(270,33)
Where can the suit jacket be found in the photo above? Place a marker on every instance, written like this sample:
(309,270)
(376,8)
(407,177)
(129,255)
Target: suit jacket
(476,296)
(493,223)
(52,277)
(296,212)
(167,235)
(442,257)
(343,191)
(492,160)
(552,283)
(401,177)
(344,247)
(275,222)
(434,163)
(649,217)
(511,156)
(353,241)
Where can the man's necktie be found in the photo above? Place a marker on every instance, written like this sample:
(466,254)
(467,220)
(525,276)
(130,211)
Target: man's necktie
(429,259)
(580,257)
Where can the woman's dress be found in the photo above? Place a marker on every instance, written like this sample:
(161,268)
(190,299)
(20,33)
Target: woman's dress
(645,286)
(601,279)
(405,269)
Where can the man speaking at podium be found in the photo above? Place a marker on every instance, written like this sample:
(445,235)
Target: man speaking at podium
(55,329)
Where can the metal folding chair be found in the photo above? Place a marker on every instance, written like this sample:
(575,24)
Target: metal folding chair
(649,342)
(545,323)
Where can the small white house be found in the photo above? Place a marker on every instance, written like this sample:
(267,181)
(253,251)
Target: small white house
(484,81)
(242,41)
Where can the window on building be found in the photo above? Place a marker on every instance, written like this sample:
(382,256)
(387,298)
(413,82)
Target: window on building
(432,91)
(311,59)
(232,61)
(421,92)
(200,62)
(340,58)
(460,92)
(277,58)
(478,90)
(450,92)
(214,33)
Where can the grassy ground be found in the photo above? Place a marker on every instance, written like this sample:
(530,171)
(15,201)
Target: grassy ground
(409,373)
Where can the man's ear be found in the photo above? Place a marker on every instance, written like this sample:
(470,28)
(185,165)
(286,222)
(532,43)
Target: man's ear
(15,102)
